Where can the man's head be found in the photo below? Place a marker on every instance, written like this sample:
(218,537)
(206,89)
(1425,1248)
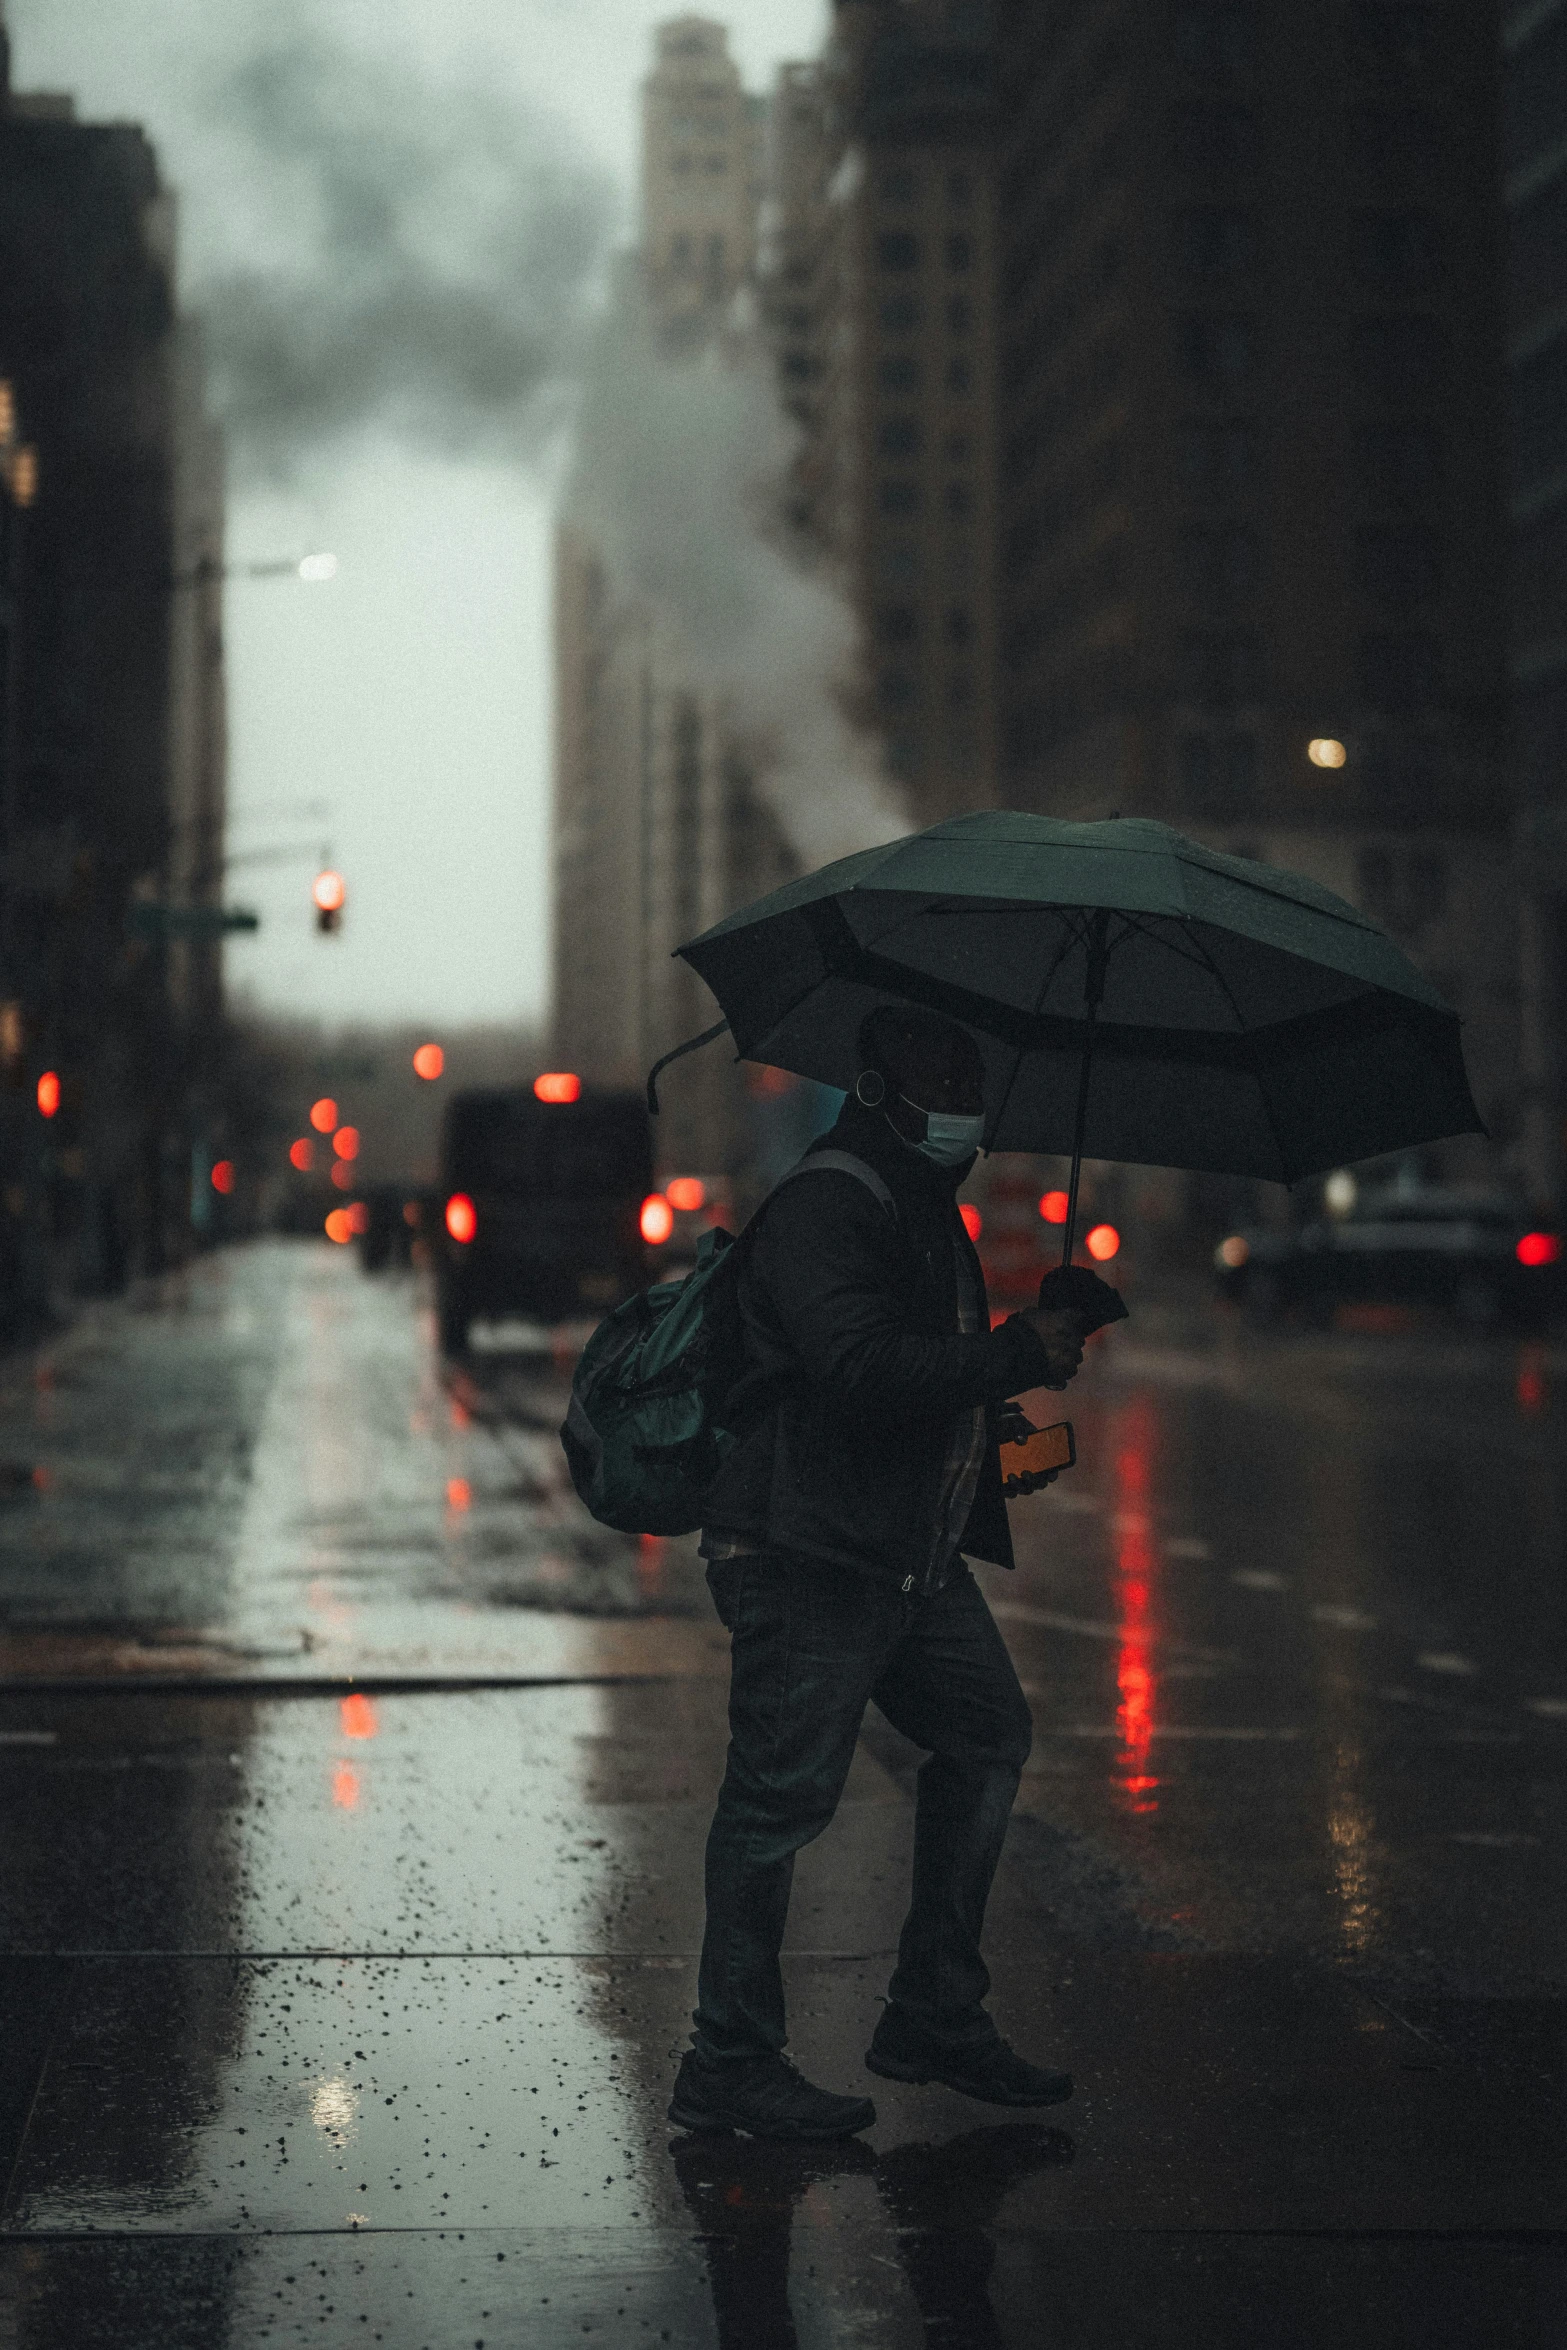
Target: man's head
(925,1062)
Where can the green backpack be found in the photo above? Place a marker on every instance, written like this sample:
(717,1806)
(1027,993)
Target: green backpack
(648,1428)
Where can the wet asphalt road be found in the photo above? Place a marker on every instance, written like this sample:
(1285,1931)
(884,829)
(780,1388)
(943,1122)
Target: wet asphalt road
(354,1796)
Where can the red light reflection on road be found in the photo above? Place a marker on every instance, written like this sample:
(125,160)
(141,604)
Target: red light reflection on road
(459,1493)
(1134,1574)
(1531,1377)
(357,1714)
(650,1565)
(345,1787)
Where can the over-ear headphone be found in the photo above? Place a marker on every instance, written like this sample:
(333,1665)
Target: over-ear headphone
(870,1089)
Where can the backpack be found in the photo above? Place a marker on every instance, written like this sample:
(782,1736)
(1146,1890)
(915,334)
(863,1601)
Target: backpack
(648,1428)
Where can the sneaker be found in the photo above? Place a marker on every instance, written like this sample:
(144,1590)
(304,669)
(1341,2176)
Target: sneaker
(765,2097)
(987,2068)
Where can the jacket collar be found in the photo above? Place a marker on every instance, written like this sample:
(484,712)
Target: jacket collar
(868,1136)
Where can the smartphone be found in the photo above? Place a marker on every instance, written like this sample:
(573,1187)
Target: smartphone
(1054,1447)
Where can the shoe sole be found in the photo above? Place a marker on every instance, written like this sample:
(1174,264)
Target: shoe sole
(694,2117)
(891,2069)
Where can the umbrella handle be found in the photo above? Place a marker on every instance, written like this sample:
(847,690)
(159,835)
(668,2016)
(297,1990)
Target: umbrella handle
(691,1045)
(1093,996)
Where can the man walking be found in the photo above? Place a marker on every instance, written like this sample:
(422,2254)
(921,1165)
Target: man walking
(835,1541)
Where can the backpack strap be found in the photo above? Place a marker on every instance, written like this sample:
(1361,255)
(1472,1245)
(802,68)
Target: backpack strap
(841,1163)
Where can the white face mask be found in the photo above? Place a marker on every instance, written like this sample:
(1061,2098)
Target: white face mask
(949,1138)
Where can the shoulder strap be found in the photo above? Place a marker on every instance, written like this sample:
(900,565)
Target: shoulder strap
(841,1163)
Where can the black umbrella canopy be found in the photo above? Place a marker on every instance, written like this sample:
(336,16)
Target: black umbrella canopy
(1248,1021)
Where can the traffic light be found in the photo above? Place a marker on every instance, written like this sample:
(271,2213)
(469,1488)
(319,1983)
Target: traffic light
(330,895)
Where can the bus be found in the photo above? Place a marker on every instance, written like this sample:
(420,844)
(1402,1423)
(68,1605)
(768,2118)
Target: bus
(541,1194)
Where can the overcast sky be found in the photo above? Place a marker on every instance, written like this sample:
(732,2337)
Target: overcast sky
(412,694)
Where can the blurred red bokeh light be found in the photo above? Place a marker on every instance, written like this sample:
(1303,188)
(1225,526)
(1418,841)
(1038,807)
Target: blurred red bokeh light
(1053,1207)
(657,1219)
(686,1192)
(302,1154)
(558,1085)
(346,1142)
(337,1227)
(49,1092)
(973,1221)
(1102,1243)
(323,1114)
(429,1061)
(1538,1248)
(462,1217)
(223,1177)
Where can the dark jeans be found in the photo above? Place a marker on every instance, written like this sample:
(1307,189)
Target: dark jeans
(811,1643)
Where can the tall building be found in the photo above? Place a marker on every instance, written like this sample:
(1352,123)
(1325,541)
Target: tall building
(880,273)
(113,812)
(1534,157)
(1251,559)
(702,137)
(660,827)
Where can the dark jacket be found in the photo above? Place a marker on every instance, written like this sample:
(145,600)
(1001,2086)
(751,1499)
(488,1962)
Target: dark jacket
(856,1366)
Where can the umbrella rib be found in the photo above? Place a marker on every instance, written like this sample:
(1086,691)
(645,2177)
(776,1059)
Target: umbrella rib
(1077,929)
(1240,1022)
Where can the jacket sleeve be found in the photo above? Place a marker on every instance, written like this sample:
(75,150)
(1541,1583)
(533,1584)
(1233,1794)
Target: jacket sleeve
(836,1273)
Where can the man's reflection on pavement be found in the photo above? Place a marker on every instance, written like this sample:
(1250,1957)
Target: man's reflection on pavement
(941,2200)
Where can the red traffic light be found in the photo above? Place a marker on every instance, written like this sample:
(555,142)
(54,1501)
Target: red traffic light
(223,1177)
(462,1218)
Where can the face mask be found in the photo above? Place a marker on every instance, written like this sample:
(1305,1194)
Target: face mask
(949,1139)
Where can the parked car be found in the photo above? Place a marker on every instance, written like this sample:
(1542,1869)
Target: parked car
(1473,1254)
(542,1191)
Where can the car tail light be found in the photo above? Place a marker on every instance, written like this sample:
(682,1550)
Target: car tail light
(1232,1253)
(49,1092)
(657,1219)
(1538,1248)
(973,1221)
(462,1218)
(686,1192)
(557,1085)
(1102,1243)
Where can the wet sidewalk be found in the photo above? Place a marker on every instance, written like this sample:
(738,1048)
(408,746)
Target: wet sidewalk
(355,1793)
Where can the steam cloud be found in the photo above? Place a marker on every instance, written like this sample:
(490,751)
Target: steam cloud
(442,247)
(440,257)
(676,462)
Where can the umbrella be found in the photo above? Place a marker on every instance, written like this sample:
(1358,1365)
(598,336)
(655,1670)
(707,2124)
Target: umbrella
(1135,996)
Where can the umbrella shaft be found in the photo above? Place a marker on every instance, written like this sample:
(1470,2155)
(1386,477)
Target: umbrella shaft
(1069,1236)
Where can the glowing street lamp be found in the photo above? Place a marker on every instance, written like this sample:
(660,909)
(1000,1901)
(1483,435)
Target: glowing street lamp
(330,895)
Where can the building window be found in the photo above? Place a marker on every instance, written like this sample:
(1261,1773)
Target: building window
(895,559)
(1399,464)
(955,448)
(1218,669)
(899,186)
(959,625)
(960,690)
(897,250)
(899,497)
(960,314)
(799,367)
(960,376)
(1400,568)
(899,436)
(1219,775)
(1400,361)
(960,252)
(1398,252)
(680,253)
(901,374)
(715,163)
(898,624)
(682,163)
(960,497)
(960,187)
(1218,352)
(900,314)
(1401,672)
(1215,240)
(896,690)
